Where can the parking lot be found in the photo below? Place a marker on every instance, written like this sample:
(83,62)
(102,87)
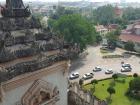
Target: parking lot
(94,58)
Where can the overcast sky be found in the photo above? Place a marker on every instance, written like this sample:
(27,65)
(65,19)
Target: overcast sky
(88,0)
(81,0)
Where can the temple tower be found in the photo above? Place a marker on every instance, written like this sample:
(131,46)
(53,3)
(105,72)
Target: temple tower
(15,8)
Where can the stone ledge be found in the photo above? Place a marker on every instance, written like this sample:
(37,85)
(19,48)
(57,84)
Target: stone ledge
(29,77)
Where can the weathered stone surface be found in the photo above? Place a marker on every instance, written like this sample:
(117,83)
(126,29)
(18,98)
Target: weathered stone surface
(30,66)
(12,24)
(15,8)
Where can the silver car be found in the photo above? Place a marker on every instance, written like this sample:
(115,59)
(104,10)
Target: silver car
(74,75)
(126,69)
(126,65)
(96,69)
(87,76)
(109,71)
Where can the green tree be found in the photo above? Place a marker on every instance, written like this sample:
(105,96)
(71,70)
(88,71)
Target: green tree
(112,37)
(111,91)
(131,13)
(104,14)
(114,76)
(134,84)
(129,46)
(94,82)
(75,29)
(135,75)
(98,38)
(134,88)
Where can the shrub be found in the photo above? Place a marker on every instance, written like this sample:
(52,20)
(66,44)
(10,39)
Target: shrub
(112,56)
(103,51)
(115,76)
(129,46)
(135,75)
(134,88)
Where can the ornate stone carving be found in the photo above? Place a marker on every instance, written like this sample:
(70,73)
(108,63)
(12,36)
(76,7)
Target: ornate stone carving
(41,93)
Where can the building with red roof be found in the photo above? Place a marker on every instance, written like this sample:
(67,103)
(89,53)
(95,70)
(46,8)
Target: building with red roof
(132,33)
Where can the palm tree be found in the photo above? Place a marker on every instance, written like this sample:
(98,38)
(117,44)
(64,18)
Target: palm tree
(111,91)
(94,82)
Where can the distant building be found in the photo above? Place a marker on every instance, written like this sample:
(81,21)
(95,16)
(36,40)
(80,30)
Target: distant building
(118,12)
(132,33)
(101,29)
(112,27)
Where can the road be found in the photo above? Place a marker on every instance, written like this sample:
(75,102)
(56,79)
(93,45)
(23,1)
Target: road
(94,58)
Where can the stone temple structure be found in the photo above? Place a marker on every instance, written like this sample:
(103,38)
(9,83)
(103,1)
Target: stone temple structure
(33,62)
(15,8)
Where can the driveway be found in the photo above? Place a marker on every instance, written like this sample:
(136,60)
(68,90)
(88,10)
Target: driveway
(94,58)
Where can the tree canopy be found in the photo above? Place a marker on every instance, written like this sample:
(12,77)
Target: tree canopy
(111,91)
(75,29)
(135,84)
(129,46)
(104,15)
(131,13)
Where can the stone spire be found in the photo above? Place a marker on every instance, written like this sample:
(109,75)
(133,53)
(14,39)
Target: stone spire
(15,8)
(14,4)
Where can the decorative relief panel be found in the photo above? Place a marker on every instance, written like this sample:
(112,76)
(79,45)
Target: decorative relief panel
(41,93)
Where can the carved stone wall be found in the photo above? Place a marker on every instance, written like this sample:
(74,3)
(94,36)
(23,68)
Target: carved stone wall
(48,86)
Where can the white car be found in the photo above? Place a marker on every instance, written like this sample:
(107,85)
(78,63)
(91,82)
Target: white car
(109,71)
(126,69)
(87,76)
(126,65)
(74,75)
(96,69)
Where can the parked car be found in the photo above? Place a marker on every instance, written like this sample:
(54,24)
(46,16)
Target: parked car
(87,76)
(126,69)
(109,71)
(126,65)
(96,69)
(74,75)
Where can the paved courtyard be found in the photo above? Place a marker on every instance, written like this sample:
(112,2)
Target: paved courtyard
(94,58)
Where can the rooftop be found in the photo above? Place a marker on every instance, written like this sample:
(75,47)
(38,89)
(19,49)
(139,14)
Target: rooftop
(137,26)
(113,26)
(130,37)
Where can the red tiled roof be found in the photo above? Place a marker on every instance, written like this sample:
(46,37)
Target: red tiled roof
(130,37)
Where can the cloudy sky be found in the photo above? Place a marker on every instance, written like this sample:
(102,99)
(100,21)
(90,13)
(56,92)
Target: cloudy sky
(85,0)
(88,0)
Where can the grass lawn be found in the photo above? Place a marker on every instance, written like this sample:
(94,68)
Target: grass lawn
(119,97)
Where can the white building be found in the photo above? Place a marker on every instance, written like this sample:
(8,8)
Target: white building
(101,30)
